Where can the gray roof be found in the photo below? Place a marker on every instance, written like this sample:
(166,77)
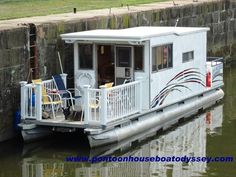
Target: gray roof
(129,34)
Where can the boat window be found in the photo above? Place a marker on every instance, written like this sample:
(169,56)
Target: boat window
(123,56)
(138,58)
(162,57)
(86,56)
(187,56)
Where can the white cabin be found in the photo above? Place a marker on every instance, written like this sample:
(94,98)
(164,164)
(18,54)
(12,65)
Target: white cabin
(170,61)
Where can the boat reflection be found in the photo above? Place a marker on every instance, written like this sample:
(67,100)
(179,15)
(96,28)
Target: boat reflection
(189,139)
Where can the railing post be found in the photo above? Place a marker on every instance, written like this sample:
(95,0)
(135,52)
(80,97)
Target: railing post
(140,90)
(23,99)
(103,101)
(64,76)
(38,101)
(86,104)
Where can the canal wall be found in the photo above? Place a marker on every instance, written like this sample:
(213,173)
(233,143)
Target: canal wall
(13,68)
(16,38)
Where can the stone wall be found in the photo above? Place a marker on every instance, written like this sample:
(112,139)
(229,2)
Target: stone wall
(13,68)
(219,15)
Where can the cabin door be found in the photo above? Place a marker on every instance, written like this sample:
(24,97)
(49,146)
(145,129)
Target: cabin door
(123,64)
(84,66)
(105,64)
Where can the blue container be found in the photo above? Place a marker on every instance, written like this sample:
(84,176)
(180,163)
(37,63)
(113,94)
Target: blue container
(16,121)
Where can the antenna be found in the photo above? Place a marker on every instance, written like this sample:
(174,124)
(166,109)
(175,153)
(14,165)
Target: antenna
(59,58)
(176,22)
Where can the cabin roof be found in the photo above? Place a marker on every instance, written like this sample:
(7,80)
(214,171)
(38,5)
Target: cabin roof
(129,34)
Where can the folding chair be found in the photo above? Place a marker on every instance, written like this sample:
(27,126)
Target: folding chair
(63,91)
(54,101)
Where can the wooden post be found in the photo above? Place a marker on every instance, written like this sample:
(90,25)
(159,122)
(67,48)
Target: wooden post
(23,98)
(86,104)
(38,101)
(103,101)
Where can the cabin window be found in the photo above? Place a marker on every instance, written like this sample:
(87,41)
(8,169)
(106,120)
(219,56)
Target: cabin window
(138,58)
(162,57)
(123,55)
(187,56)
(86,56)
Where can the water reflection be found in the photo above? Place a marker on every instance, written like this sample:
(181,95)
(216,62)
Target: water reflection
(188,139)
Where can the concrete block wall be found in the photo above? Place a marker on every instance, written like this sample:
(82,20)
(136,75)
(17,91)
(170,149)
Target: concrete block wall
(13,68)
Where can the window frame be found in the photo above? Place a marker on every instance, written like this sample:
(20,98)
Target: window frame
(92,55)
(152,54)
(143,56)
(189,59)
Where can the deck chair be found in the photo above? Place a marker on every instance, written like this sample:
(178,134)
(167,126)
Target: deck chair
(93,106)
(65,93)
(108,85)
(49,99)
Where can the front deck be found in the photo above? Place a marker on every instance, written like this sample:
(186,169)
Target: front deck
(97,108)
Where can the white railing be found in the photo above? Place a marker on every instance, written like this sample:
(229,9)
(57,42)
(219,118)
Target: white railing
(215,67)
(100,106)
(31,98)
(92,105)
(105,105)
(123,100)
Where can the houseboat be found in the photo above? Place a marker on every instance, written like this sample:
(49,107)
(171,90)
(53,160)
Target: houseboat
(126,82)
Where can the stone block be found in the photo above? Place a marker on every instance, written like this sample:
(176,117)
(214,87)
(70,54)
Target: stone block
(235,36)
(233,4)
(175,12)
(220,39)
(204,8)
(187,10)
(168,13)
(155,17)
(210,7)
(226,26)
(133,20)
(232,25)
(215,28)
(198,9)
(162,15)
(227,4)
(70,27)
(200,20)
(215,17)
(92,24)
(221,27)
(230,13)
(144,19)
(230,38)
(223,15)
(186,21)
(208,18)
(194,21)
(3,39)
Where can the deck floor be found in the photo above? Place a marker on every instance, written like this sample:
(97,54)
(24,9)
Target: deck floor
(72,120)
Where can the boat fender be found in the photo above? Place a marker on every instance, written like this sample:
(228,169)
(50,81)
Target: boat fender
(208,79)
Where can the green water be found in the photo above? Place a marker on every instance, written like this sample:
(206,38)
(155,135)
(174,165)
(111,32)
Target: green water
(212,133)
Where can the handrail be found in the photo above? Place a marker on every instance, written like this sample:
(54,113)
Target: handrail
(214,59)
(31,98)
(114,103)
